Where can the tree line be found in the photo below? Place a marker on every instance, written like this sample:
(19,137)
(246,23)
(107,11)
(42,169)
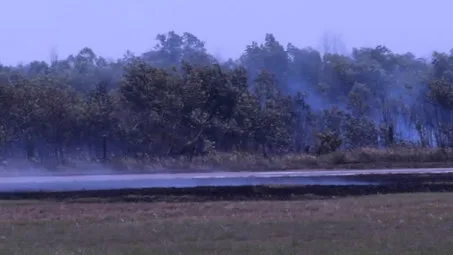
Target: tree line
(177,99)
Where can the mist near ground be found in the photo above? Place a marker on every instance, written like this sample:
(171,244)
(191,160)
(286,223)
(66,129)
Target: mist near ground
(32,29)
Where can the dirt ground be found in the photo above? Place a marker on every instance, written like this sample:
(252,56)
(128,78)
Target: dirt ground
(379,224)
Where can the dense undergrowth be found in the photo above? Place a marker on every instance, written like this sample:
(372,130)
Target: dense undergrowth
(355,159)
(362,158)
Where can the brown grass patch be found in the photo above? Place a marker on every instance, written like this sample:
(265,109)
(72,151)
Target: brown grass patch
(359,158)
(390,224)
(362,158)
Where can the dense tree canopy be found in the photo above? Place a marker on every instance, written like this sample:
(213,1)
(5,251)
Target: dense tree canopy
(177,99)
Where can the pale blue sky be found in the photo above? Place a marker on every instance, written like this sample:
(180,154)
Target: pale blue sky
(31,28)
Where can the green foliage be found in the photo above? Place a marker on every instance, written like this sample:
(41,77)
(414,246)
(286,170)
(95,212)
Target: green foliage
(177,99)
(359,132)
(329,141)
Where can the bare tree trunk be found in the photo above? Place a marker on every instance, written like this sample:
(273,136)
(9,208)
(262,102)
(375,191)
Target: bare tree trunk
(104,148)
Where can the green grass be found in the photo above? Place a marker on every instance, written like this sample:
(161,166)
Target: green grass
(385,224)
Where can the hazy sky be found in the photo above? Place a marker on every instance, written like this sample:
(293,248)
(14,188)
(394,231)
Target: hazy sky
(31,28)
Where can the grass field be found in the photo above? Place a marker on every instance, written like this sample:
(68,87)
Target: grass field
(380,224)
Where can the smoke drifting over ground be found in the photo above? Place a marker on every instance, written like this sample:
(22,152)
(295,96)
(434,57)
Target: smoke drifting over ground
(110,182)
(11,168)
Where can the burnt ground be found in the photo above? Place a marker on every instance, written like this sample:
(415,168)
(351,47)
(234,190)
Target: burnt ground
(378,184)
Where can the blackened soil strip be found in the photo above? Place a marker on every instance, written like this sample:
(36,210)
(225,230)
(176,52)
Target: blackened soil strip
(383,184)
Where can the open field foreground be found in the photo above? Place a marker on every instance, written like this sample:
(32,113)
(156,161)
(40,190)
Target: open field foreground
(379,224)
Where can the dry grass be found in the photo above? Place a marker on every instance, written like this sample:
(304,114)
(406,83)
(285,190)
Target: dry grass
(390,224)
(363,158)
(411,157)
